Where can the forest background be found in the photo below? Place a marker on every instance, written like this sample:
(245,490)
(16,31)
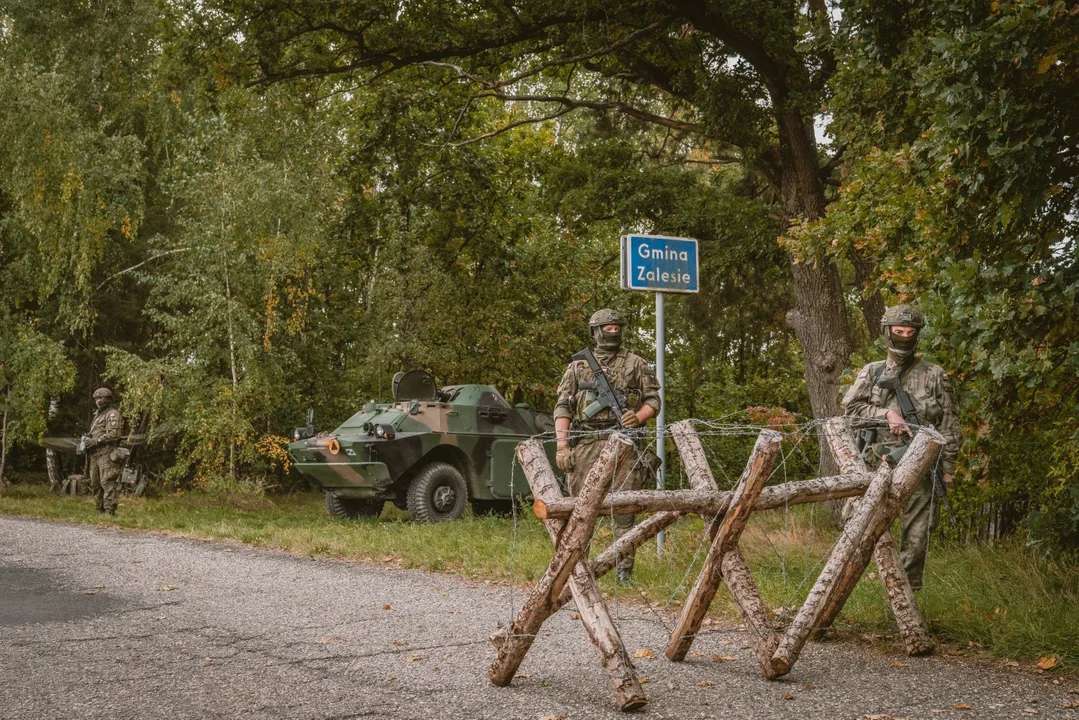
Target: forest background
(230,211)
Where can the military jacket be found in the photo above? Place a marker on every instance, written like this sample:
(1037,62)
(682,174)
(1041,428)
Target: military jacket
(626,372)
(930,393)
(106,428)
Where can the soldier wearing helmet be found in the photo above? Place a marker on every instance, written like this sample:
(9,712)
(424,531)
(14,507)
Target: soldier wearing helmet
(628,373)
(930,392)
(101,443)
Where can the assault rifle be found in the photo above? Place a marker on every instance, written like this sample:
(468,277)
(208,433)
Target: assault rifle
(607,398)
(910,417)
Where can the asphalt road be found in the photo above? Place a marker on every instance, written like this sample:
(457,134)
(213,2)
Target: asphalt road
(99,623)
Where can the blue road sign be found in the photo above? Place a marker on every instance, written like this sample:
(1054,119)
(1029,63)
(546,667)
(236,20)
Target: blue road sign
(660,264)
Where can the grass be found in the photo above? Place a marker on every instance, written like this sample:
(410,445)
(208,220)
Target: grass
(1002,602)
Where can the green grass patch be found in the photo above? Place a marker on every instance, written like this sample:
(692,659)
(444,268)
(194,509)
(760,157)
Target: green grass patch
(1002,601)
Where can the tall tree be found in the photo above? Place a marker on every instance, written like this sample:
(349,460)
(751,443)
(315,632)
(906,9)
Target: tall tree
(741,81)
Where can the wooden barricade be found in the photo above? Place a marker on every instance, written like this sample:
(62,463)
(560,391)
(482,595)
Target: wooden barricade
(570,523)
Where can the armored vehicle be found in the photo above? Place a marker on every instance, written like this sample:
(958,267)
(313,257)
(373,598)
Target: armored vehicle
(432,451)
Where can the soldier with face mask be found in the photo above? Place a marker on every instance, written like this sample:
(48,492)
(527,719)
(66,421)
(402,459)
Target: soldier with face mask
(102,441)
(627,373)
(934,401)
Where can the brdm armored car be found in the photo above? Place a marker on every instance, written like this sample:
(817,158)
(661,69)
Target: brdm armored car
(432,451)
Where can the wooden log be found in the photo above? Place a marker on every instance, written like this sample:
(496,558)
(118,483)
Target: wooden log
(882,503)
(710,504)
(694,462)
(591,609)
(571,549)
(913,631)
(790,645)
(758,469)
(743,589)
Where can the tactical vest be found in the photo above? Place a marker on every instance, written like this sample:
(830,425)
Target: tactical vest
(617,375)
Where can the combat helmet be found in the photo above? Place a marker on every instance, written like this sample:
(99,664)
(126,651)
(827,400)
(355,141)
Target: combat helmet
(601,319)
(102,392)
(906,315)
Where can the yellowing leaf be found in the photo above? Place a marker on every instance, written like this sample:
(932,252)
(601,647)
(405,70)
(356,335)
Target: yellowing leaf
(788,696)
(644,653)
(1048,662)
(963,706)
(1047,62)
(898,663)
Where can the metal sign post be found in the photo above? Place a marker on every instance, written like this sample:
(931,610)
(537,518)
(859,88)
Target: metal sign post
(660,264)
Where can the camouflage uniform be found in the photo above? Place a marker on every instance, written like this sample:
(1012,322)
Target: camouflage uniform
(105,433)
(632,375)
(931,394)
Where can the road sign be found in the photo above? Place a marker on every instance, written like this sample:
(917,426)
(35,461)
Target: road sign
(660,264)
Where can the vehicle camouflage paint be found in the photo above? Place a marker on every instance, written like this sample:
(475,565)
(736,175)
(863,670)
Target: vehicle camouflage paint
(431,451)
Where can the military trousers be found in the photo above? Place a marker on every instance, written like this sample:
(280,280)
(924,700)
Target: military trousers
(628,475)
(919,519)
(104,476)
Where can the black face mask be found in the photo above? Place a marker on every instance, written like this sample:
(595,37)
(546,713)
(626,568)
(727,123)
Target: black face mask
(606,340)
(902,346)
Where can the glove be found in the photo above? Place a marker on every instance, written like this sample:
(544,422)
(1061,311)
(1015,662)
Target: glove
(630,419)
(564,459)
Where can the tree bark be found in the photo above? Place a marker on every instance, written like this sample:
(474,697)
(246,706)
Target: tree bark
(572,548)
(621,675)
(758,469)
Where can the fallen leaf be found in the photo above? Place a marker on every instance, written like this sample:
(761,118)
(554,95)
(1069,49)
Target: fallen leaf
(963,706)
(706,683)
(207,660)
(1070,705)
(387,606)
(871,576)
(574,616)
(525,676)
(391,677)
(641,679)
(809,686)
(695,654)
(166,588)
(99,587)
(898,663)
(644,653)
(1030,711)
(160,617)
(414,658)
(90,592)
(324,640)
(788,696)
(1048,662)
(723,658)
(1011,663)
(398,643)
(552,717)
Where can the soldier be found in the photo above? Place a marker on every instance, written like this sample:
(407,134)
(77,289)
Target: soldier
(102,440)
(934,401)
(627,373)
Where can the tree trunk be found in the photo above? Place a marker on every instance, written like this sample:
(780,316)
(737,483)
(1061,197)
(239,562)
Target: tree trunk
(3,451)
(819,316)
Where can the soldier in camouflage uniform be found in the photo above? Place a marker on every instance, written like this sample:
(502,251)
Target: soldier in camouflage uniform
(933,399)
(103,438)
(628,373)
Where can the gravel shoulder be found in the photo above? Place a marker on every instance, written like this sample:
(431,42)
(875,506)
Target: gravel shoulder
(101,623)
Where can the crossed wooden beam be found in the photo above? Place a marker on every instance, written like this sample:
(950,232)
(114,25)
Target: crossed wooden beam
(571,521)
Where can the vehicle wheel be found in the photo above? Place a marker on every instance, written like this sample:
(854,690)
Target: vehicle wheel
(437,493)
(498,508)
(350,509)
